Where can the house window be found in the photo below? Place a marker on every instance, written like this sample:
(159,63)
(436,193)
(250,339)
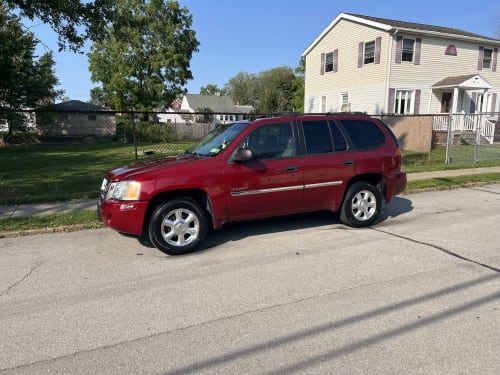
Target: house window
(329,62)
(451,50)
(92,117)
(344,102)
(403,102)
(487,58)
(369,54)
(408,49)
(323,104)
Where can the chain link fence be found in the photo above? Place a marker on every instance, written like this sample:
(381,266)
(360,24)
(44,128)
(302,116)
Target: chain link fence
(469,138)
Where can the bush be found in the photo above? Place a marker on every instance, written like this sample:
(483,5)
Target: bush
(145,131)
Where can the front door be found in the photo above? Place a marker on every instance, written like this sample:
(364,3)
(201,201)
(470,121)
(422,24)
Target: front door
(272,183)
(445,102)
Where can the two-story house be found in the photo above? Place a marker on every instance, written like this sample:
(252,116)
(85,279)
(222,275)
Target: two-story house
(382,66)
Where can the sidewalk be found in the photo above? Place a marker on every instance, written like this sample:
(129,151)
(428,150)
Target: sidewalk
(24,210)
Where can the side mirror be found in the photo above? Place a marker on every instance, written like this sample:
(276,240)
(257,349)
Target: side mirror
(243,154)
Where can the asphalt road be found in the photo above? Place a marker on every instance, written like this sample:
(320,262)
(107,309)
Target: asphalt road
(419,293)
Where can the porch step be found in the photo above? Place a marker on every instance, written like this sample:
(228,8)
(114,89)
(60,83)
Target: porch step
(469,138)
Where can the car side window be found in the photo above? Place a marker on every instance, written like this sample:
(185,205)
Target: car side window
(338,138)
(271,141)
(364,134)
(317,136)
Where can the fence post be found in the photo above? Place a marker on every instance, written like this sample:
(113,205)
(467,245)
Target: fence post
(449,139)
(135,137)
(477,144)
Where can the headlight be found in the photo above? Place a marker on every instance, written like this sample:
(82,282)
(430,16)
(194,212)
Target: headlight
(124,191)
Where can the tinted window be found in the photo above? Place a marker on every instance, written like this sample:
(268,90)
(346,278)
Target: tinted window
(364,134)
(271,141)
(338,139)
(317,136)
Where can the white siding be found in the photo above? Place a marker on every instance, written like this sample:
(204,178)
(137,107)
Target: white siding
(362,84)
(368,86)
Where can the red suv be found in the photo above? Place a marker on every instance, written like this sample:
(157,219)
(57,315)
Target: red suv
(254,169)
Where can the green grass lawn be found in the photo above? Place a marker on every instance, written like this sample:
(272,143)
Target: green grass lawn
(48,173)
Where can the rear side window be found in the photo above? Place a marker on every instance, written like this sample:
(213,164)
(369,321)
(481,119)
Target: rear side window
(364,134)
(317,136)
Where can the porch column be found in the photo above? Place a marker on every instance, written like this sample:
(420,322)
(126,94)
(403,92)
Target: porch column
(454,106)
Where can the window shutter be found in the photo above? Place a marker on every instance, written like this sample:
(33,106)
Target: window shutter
(493,102)
(361,46)
(322,68)
(416,107)
(495,56)
(399,48)
(336,60)
(390,104)
(480,58)
(473,102)
(418,46)
(378,44)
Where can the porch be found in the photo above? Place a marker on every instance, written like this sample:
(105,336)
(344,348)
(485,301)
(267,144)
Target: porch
(469,128)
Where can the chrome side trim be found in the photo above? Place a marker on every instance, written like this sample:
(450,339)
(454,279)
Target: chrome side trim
(286,188)
(264,191)
(323,184)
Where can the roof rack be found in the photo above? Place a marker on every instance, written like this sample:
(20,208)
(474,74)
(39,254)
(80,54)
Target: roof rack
(347,114)
(294,114)
(281,114)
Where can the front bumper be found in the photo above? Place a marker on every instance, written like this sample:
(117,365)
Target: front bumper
(126,217)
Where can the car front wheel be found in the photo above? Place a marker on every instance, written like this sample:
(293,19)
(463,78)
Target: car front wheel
(361,205)
(178,226)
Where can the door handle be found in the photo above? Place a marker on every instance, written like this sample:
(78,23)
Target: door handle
(349,162)
(291,169)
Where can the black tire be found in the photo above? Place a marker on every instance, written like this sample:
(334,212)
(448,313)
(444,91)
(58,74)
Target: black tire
(178,226)
(361,205)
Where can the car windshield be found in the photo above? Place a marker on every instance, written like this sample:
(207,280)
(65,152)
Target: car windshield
(217,140)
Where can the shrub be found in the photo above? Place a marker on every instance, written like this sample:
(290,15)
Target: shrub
(145,131)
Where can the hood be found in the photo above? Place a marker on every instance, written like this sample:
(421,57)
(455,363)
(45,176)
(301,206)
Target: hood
(129,171)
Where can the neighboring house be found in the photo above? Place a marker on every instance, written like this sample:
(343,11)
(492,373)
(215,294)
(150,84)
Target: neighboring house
(221,106)
(381,66)
(77,119)
(171,114)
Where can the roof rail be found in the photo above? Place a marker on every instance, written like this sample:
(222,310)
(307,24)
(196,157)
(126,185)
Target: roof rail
(347,114)
(282,114)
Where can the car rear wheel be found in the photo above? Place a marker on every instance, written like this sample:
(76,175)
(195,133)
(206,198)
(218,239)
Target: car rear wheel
(178,226)
(361,205)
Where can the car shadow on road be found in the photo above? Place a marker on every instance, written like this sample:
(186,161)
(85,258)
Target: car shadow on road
(241,230)
(398,206)
(238,231)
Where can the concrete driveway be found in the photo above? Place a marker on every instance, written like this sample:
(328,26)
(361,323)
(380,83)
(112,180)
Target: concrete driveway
(419,293)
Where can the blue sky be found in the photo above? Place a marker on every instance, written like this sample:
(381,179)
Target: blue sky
(256,35)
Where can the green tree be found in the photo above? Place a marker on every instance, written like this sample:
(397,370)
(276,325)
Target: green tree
(212,89)
(297,100)
(144,61)
(244,89)
(269,91)
(25,83)
(75,21)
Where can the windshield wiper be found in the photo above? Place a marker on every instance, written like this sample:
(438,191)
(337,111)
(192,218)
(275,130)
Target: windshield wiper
(197,154)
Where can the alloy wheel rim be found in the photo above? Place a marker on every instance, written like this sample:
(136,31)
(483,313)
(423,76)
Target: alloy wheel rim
(180,227)
(364,205)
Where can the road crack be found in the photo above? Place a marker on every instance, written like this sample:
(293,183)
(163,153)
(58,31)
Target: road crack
(442,249)
(26,276)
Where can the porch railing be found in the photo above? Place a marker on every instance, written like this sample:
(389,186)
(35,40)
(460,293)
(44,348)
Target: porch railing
(466,123)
